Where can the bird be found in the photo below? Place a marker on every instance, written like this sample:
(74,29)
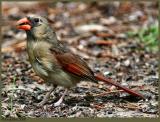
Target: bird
(54,62)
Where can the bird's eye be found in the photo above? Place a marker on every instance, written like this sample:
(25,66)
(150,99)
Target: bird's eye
(36,20)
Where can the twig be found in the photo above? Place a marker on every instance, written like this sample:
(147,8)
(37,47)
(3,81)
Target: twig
(105,42)
(106,35)
(105,93)
(109,55)
(97,106)
(130,106)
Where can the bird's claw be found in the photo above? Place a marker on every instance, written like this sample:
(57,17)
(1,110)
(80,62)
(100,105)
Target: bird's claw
(58,103)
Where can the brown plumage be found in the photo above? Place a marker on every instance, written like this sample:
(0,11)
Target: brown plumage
(53,62)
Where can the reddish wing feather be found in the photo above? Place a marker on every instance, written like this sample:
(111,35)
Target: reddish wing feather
(73,64)
(74,69)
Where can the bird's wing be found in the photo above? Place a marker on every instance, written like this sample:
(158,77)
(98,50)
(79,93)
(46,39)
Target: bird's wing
(73,64)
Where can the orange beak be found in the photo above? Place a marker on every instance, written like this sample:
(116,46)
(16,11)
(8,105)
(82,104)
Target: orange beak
(24,24)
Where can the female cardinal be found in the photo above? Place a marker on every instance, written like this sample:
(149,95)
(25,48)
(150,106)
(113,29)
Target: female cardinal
(53,62)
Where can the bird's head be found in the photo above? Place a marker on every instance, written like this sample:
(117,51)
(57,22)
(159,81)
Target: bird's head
(34,25)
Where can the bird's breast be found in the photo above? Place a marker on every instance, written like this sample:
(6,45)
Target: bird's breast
(33,49)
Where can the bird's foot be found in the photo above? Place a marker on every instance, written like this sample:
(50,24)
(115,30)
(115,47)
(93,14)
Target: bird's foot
(46,97)
(61,99)
(58,103)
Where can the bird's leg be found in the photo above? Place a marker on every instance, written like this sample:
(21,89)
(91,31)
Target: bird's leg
(45,99)
(61,99)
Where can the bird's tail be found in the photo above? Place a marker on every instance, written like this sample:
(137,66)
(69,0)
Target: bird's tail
(110,81)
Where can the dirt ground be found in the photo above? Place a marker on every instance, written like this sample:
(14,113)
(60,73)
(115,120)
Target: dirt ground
(96,31)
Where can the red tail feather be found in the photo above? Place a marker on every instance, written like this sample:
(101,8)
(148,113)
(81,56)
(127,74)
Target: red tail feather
(109,81)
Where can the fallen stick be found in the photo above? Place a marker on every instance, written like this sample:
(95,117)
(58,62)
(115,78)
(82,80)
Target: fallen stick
(105,42)
(110,92)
